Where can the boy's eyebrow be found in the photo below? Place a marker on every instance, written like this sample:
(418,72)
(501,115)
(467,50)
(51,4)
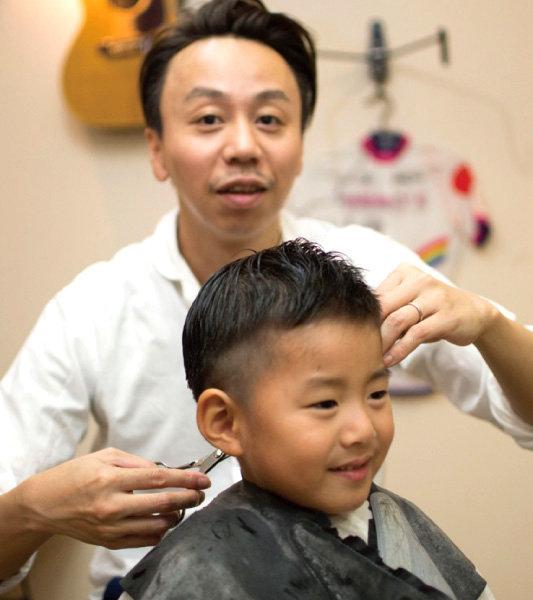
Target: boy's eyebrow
(200,91)
(319,381)
(381,373)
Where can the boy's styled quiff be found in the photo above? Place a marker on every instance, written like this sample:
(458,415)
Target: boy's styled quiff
(247,19)
(244,305)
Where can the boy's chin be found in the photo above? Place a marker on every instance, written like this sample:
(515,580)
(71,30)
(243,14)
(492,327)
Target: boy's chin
(331,502)
(336,506)
(345,503)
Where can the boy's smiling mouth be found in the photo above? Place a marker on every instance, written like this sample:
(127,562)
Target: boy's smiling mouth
(355,470)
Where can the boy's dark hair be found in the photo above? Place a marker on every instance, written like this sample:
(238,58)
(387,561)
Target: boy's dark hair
(238,18)
(227,329)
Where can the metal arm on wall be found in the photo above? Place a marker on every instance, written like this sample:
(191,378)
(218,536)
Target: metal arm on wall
(378,54)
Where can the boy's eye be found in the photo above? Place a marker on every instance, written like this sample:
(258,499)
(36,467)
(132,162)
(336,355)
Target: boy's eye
(209,120)
(325,404)
(379,395)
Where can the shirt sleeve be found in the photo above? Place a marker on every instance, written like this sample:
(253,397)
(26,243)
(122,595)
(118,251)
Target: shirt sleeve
(45,395)
(462,375)
(44,400)
(8,584)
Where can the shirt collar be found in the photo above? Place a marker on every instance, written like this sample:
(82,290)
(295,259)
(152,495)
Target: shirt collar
(169,262)
(167,259)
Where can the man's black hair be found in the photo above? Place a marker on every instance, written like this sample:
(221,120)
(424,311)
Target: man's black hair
(240,307)
(247,19)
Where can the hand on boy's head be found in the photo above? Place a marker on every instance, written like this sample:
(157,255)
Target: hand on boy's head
(417,309)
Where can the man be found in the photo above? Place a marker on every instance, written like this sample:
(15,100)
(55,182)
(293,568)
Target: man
(226,98)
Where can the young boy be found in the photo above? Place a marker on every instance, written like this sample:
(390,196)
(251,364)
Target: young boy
(283,355)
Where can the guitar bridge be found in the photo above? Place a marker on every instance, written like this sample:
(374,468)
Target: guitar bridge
(125,48)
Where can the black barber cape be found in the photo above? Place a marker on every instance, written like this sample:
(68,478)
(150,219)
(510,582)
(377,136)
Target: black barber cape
(250,544)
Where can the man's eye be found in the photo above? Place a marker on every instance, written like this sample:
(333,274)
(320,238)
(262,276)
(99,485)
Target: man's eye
(269,120)
(325,404)
(379,395)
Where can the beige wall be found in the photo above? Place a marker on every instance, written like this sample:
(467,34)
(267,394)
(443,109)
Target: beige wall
(71,196)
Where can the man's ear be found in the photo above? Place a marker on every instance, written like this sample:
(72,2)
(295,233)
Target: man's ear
(218,418)
(155,150)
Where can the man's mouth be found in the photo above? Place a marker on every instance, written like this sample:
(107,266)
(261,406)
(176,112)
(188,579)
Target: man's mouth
(242,192)
(241,189)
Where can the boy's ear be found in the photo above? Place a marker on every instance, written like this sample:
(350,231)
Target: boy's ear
(218,419)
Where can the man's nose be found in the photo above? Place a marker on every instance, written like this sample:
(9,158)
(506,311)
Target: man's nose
(242,144)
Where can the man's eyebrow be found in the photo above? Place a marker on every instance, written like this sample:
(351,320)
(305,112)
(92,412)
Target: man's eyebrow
(273,95)
(207,92)
(198,92)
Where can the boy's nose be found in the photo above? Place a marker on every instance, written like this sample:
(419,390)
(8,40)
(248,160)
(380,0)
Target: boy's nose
(242,143)
(358,428)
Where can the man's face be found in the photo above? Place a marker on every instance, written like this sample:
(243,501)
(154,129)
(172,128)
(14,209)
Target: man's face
(320,423)
(232,140)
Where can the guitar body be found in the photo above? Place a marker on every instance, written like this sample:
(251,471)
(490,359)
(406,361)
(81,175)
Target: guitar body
(100,74)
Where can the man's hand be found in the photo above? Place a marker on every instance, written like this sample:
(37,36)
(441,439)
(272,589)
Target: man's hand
(447,313)
(91,498)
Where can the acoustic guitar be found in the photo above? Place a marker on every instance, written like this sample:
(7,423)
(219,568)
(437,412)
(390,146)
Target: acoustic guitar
(100,74)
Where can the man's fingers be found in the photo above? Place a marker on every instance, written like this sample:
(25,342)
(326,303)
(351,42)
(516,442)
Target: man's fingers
(395,290)
(113,514)
(393,279)
(405,284)
(137,531)
(398,351)
(96,501)
(420,333)
(145,526)
(119,458)
(396,326)
(162,502)
(154,478)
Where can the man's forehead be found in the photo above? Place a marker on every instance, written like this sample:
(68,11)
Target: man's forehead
(225,58)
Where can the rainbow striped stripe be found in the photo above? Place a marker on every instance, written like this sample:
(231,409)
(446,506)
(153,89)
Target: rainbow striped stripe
(434,252)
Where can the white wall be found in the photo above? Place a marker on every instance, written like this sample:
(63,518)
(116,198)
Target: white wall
(71,196)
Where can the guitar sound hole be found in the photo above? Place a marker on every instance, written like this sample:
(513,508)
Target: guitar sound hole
(124,3)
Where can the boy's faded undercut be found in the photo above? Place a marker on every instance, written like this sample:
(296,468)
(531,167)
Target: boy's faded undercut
(269,292)
(248,19)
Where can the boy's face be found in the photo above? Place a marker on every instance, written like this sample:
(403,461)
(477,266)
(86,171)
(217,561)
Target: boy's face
(320,424)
